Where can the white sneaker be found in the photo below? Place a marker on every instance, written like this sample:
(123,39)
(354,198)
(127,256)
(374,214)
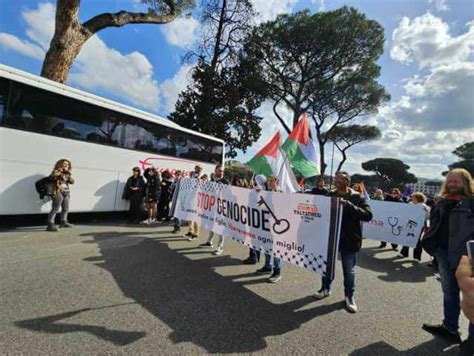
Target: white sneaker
(351,305)
(218,252)
(322,293)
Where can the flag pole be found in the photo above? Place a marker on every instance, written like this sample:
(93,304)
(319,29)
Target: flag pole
(332,163)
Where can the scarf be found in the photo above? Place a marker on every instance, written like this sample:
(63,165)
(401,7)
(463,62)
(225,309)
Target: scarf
(454,197)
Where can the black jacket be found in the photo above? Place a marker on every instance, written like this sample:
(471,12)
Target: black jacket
(461,229)
(222,180)
(153,183)
(356,211)
(138,182)
(318,191)
(165,193)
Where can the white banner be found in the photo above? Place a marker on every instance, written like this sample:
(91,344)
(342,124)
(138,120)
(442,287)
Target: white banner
(298,228)
(396,223)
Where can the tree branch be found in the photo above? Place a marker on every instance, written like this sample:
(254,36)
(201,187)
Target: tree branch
(282,122)
(123,18)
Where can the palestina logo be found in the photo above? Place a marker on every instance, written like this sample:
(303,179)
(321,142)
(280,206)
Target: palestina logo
(307,211)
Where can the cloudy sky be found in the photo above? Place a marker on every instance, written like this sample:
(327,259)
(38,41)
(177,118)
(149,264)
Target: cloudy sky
(427,67)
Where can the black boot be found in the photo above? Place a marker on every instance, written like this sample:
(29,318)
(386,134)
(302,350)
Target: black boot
(52,227)
(442,331)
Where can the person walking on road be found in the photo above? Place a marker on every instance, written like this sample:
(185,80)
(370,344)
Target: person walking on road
(355,211)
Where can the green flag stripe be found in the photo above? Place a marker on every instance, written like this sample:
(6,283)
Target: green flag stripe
(298,160)
(260,165)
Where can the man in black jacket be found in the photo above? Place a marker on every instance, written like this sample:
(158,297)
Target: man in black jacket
(355,210)
(451,226)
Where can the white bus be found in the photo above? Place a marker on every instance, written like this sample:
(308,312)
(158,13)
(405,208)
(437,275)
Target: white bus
(42,121)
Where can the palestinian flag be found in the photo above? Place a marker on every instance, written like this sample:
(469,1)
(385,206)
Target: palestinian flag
(300,149)
(271,161)
(265,160)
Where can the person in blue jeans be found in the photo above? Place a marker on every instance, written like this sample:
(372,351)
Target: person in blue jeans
(272,264)
(254,255)
(451,226)
(355,210)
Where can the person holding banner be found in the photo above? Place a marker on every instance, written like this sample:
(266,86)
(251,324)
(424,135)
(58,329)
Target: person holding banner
(355,210)
(272,264)
(319,189)
(176,222)
(193,232)
(394,196)
(217,177)
(260,184)
(417,198)
(451,226)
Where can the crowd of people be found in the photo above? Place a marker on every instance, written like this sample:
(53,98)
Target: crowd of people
(448,226)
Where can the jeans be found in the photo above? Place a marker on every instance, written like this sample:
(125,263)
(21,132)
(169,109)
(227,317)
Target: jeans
(220,240)
(60,200)
(349,260)
(254,255)
(273,262)
(177,223)
(451,298)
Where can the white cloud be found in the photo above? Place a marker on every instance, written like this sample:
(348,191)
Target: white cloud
(181,32)
(268,10)
(426,40)
(171,88)
(10,42)
(320,3)
(442,100)
(40,24)
(128,76)
(440,5)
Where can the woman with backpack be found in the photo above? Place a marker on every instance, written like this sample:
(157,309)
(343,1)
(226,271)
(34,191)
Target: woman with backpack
(134,191)
(61,177)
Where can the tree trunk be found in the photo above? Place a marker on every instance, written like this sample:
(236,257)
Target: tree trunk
(66,43)
(322,164)
(217,47)
(70,35)
(59,60)
(344,158)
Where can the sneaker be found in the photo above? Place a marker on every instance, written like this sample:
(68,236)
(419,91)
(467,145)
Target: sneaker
(66,224)
(383,244)
(264,270)
(192,237)
(188,235)
(206,244)
(466,348)
(351,305)
(146,222)
(218,252)
(274,278)
(442,331)
(249,261)
(322,293)
(176,230)
(52,227)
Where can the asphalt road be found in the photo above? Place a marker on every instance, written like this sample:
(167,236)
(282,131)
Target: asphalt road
(99,289)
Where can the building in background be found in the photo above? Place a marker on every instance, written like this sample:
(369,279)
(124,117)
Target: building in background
(425,186)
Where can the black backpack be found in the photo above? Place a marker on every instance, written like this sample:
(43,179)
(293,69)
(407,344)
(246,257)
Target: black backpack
(45,186)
